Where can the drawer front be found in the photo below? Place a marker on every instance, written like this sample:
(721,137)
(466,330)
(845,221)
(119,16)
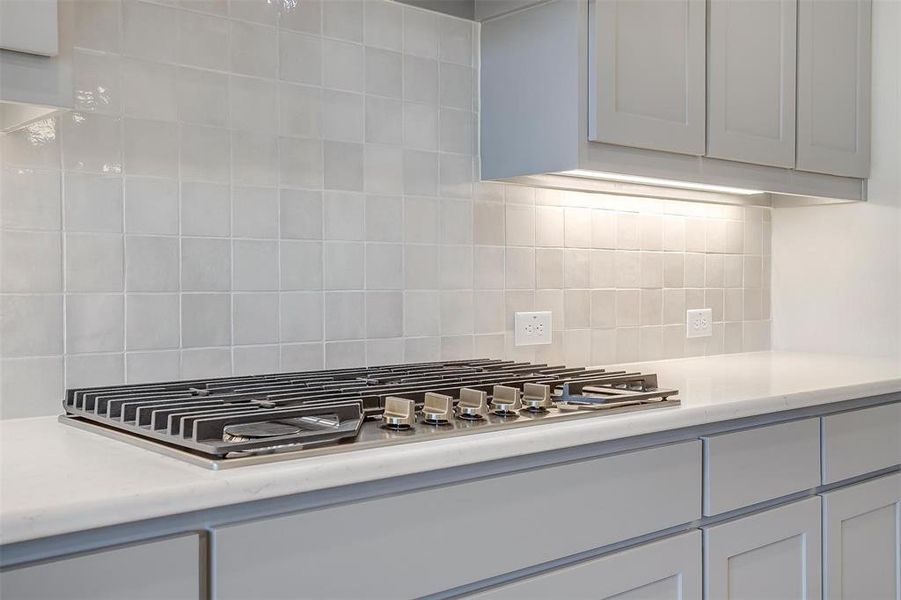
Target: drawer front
(167,568)
(668,569)
(422,542)
(746,467)
(861,441)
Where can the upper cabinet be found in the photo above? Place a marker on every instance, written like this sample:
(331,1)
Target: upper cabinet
(751,81)
(742,96)
(834,87)
(647,71)
(29,26)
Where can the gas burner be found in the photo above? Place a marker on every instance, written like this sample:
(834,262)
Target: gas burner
(235,421)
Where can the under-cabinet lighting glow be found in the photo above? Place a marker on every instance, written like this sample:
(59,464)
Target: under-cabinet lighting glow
(683,185)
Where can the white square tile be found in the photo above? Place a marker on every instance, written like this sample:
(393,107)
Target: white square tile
(205,264)
(31,325)
(255,212)
(627,231)
(344,355)
(422,349)
(301,317)
(97,82)
(576,268)
(651,310)
(30,199)
(384,352)
(576,309)
(31,387)
(300,109)
(384,218)
(488,267)
(384,73)
(456,131)
(254,50)
(577,228)
(202,97)
(94,323)
(651,269)
(420,79)
(343,66)
(300,58)
(674,307)
(93,203)
(456,313)
(421,219)
(96,25)
(456,221)
(255,265)
(342,116)
(488,312)
(301,265)
(343,266)
(455,267)
(203,40)
(602,269)
(420,266)
(302,357)
(253,104)
(455,43)
(520,268)
(151,205)
(420,32)
(300,162)
(205,320)
(35,145)
(383,169)
(300,214)
(205,153)
(94,370)
(152,321)
(455,86)
(204,209)
(344,212)
(488,223)
(344,315)
(421,313)
(255,318)
(151,264)
(142,23)
(603,309)
(255,158)
(343,20)
(673,270)
(384,266)
(627,269)
(384,314)
(549,268)
(384,24)
(301,16)
(384,120)
(91,142)
(548,226)
(258,11)
(455,175)
(149,90)
(150,148)
(342,166)
(714,270)
(420,126)
(150,367)
(253,360)
(695,265)
(94,262)
(205,362)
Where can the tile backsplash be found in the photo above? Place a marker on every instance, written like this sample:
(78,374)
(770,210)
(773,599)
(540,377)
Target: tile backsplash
(254,185)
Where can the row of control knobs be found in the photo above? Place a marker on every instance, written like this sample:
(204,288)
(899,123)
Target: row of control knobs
(438,409)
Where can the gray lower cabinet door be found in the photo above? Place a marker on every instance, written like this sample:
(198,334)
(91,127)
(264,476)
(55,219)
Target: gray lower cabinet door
(165,569)
(834,87)
(666,570)
(772,554)
(646,74)
(432,540)
(862,541)
(751,81)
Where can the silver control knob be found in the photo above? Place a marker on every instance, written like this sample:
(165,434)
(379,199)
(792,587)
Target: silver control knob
(438,409)
(536,397)
(400,413)
(473,405)
(505,400)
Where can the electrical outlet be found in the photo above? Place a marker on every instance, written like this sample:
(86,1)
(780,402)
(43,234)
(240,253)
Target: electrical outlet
(532,328)
(699,323)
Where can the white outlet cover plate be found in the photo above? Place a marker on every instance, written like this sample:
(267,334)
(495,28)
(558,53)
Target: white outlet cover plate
(532,328)
(699,323)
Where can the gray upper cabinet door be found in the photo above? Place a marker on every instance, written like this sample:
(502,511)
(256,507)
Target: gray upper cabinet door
(773,554)
(668,569)
(834,87)
(751,81)
(862,540)
(646,74)
(163,569)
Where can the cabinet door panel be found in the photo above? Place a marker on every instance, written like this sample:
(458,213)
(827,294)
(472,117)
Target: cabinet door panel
(862,540)
(647,74)
(834,87)
(773,554)
(668,569)
(167,568)
(751,82)
(858,442)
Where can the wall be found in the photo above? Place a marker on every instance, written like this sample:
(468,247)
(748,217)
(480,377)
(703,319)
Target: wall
(244,190)
(837,269)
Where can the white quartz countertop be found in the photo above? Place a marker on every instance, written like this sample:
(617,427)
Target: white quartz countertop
(56,479)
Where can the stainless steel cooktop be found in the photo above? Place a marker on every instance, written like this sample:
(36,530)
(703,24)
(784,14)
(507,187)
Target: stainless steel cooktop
(237,421)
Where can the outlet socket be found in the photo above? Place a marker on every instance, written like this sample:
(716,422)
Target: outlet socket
(699,323)
(532,328)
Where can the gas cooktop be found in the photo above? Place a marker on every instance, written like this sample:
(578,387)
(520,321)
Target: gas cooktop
(236,421)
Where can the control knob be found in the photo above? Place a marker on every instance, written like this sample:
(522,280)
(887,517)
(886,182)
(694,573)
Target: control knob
(473,405)
(438,409)
(536,397)
(505,400)
(400,413)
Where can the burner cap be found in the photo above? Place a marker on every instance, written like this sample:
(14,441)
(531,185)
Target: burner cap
(245,432)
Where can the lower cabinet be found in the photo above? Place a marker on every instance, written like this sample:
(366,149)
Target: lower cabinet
(771,554)
(163,569)
(668,569)
(862,540)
